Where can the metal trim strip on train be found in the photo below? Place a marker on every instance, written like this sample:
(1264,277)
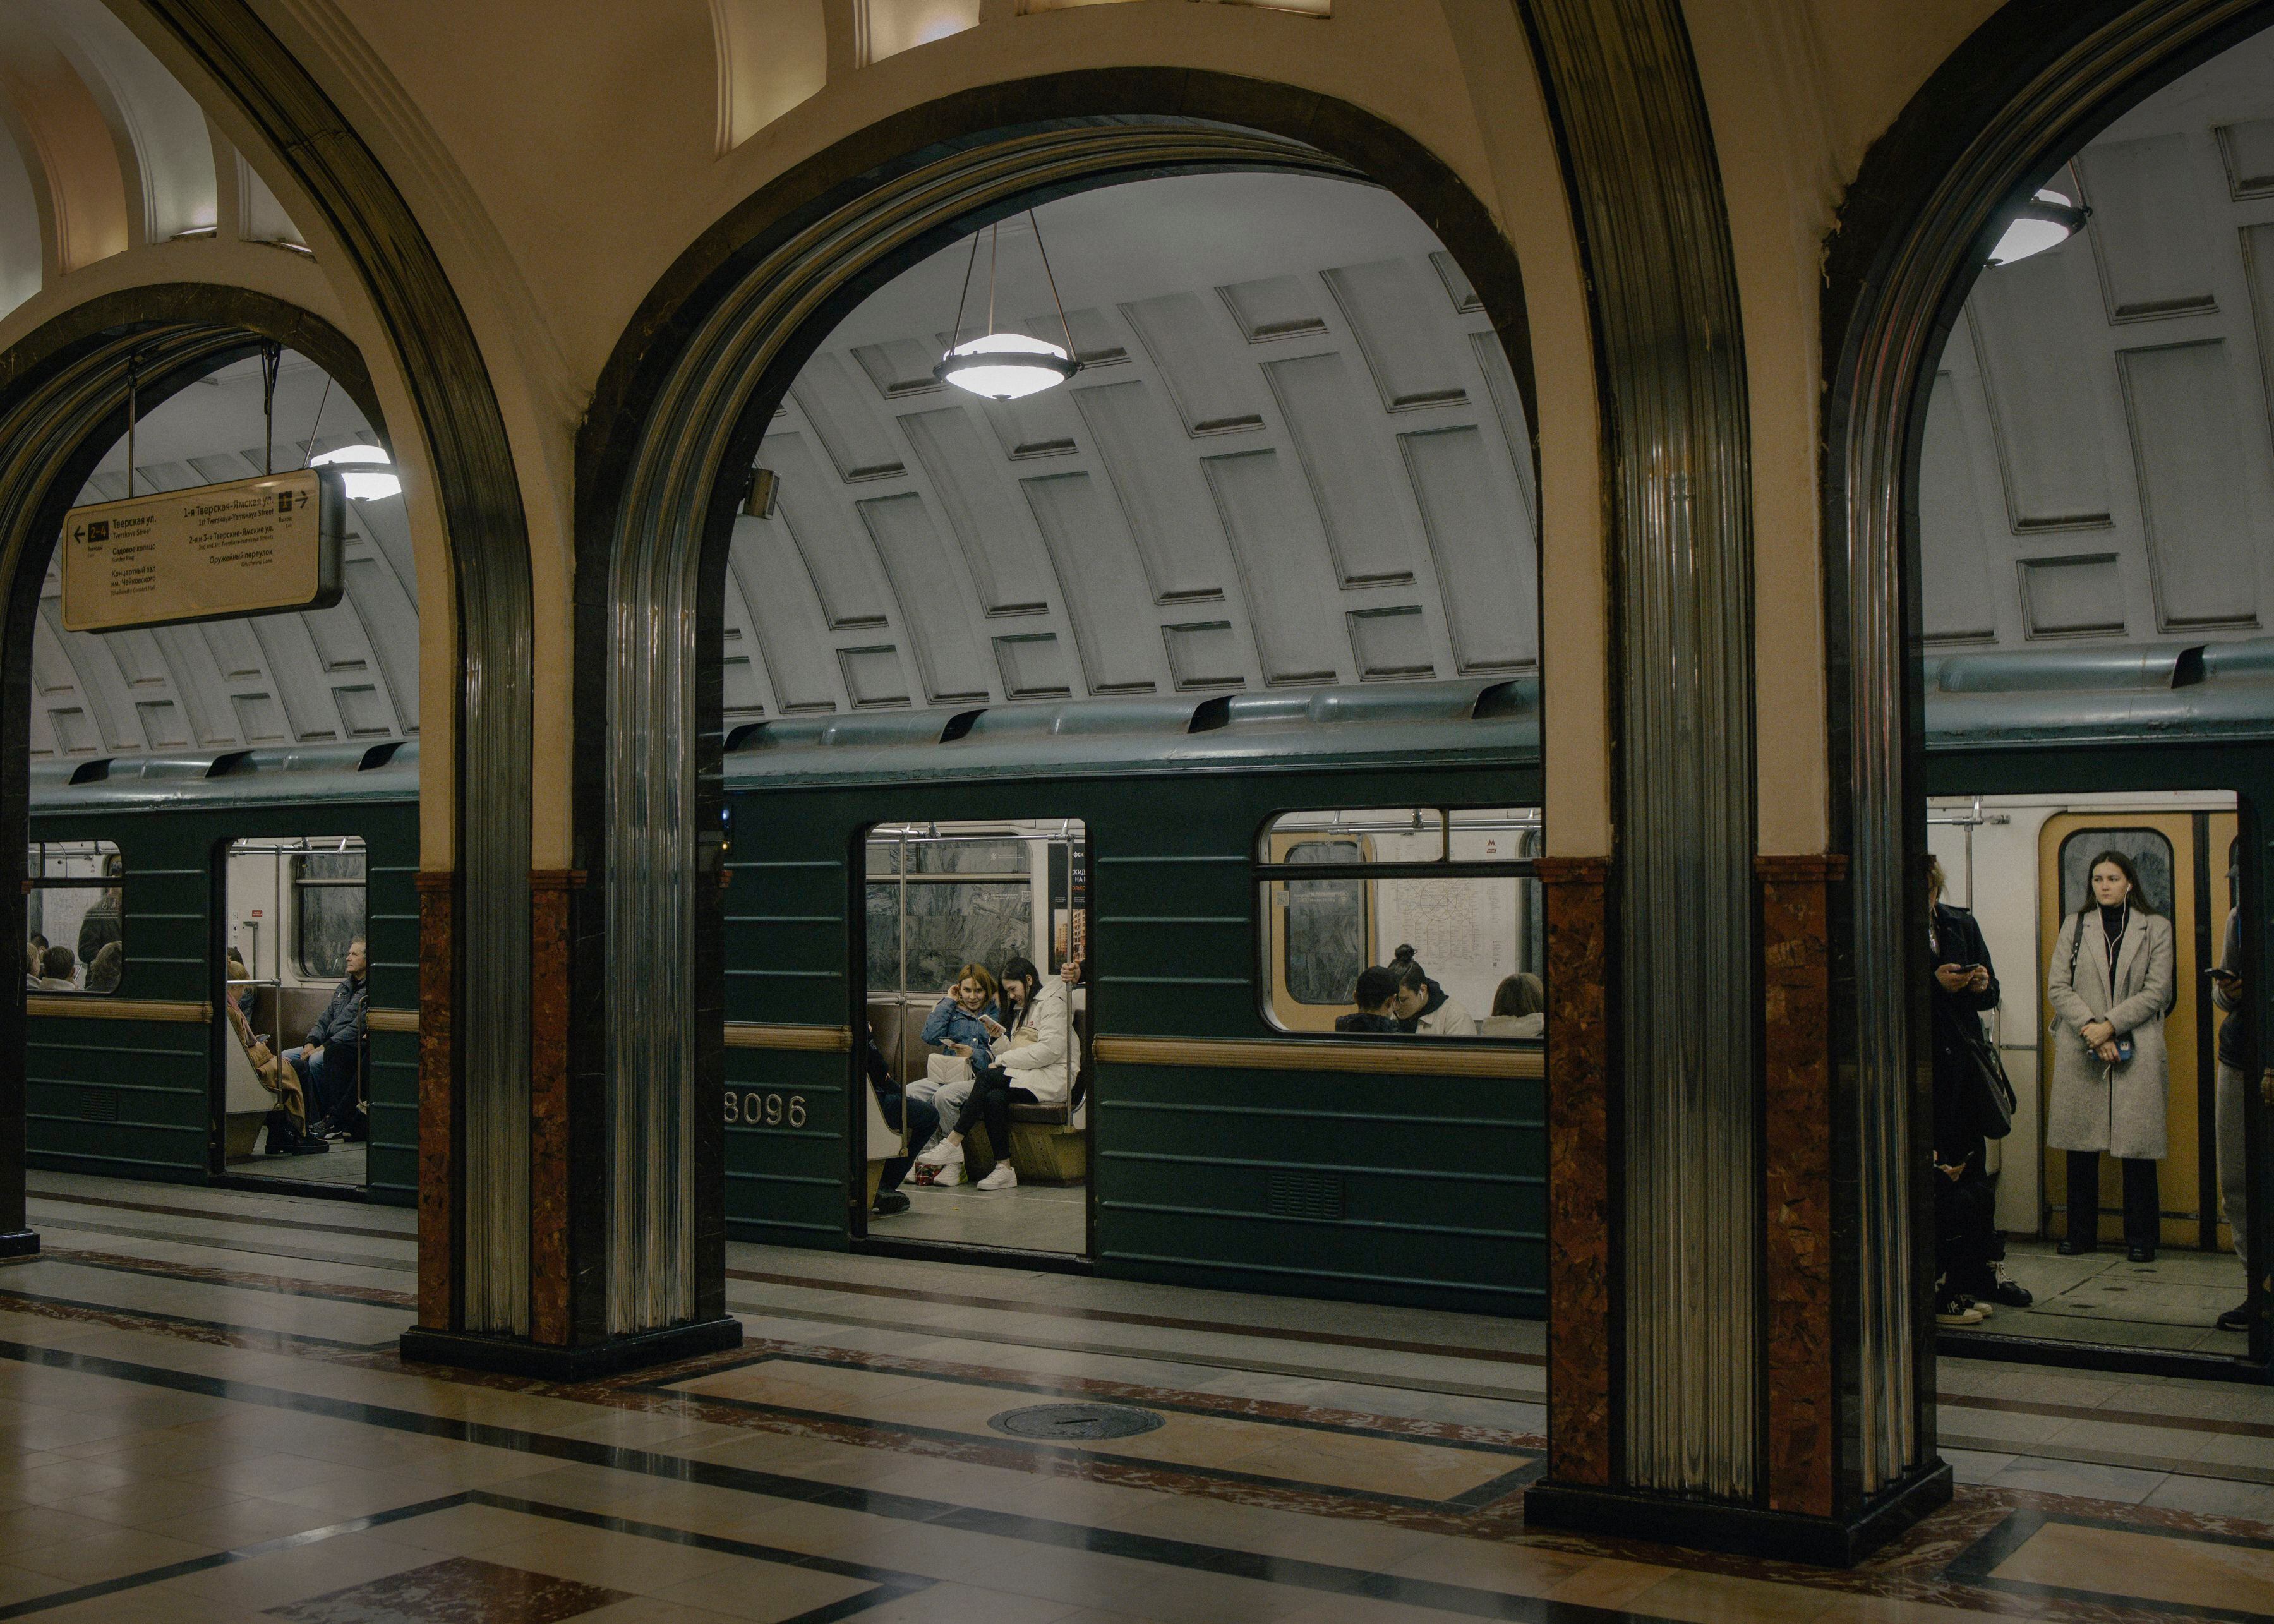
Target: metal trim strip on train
(1439,1193)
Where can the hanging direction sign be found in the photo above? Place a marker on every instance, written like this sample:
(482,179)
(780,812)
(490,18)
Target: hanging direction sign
(252,546)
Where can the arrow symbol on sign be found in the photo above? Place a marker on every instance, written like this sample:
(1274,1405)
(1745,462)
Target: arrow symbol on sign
(303,500)
(79,534)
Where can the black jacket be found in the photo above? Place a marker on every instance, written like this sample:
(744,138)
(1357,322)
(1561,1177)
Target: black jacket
(341,1021)
(2234,1031)
(1364,1022)
(1957,939)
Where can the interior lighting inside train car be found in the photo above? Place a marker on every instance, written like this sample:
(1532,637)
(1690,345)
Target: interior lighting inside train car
(367,470)
(2046,221)
(1007,367)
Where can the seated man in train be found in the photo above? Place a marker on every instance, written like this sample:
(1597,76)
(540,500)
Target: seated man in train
(1376,997)
(923,1123)
(35,954)
(329,1059)
(55,967)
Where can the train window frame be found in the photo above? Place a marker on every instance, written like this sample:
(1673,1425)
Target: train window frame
(1270,873)
(301,884)
(36,880)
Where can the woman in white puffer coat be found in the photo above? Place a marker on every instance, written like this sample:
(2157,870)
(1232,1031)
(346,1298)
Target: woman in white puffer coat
(1035,1061)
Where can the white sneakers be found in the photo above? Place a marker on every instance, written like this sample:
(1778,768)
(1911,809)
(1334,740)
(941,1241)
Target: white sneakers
(944,1163)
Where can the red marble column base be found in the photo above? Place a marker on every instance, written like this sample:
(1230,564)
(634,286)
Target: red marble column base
(439,1211)
(549,1180)
(1748,1531)
(1580,1343)
(1796,1176)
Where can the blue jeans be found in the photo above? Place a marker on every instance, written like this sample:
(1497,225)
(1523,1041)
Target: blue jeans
(924,1121)
(329,1079)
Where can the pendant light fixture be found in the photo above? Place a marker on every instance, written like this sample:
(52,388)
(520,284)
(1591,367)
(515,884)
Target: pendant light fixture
(1005,367)
(2046,221)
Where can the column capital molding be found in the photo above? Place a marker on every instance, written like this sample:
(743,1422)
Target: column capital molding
(1572,870)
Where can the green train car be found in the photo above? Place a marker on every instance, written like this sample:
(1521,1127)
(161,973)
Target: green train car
(1220,1131)
(137,1075)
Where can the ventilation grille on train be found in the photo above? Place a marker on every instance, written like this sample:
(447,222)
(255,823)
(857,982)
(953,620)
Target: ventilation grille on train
(99,1105)
(1306,1195)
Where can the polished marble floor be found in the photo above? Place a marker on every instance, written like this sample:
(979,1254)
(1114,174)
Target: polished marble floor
(202,1416)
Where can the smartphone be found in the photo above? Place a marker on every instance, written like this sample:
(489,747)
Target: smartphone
(2218,974)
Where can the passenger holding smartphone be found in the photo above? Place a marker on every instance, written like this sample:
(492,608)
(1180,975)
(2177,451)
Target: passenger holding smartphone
(1967,1245)
(2233,1045)
(2110,985)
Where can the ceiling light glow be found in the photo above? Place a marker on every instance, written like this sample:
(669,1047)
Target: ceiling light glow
(2046,221)
(1005,367)
(351,460)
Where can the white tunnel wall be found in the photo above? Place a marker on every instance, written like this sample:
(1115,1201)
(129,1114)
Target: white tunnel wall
(345,674)
(1295,455)
(2099,465)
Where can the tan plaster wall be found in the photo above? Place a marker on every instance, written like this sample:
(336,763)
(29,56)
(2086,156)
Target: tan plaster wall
(1796,94)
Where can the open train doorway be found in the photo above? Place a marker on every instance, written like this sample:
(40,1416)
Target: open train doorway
(2114,1199)
(295,1074)
(973,1050)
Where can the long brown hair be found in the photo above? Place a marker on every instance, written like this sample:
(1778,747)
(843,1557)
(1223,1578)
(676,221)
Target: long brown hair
(2122,864)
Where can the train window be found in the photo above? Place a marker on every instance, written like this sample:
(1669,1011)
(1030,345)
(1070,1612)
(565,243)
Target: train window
(74,916)
(938,901)
(327,907)
(1340,890)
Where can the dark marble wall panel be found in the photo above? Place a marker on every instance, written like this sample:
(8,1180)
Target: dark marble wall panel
(1797,1056)
(438,1161)
(549,1182)
(1580,1337)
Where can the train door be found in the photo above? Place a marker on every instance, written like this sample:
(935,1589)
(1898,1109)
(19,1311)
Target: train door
(295,1049)
(2182,857)
(958,909)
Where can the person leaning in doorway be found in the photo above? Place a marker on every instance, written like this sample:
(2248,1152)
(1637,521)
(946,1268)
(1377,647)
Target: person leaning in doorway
(2110,985)
(2233,1053)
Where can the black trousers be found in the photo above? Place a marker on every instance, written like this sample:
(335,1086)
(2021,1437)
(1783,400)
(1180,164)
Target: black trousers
(991,1097)
(2141,1199)
(923,1117)
(1966,1241)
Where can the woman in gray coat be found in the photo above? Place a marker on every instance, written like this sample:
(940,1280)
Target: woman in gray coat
(2109,986)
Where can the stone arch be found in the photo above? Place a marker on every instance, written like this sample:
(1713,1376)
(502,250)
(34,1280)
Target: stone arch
(683,401)
(62,405)
(2027,89)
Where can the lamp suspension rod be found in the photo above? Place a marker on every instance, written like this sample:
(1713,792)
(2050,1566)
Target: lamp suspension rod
(134,403)
(309,455)
(1060,303)
(994,238)
(955,339)
(272,356)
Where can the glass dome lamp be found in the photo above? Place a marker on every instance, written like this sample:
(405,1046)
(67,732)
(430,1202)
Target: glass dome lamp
(1007,367)
(353,462)
(2046,221)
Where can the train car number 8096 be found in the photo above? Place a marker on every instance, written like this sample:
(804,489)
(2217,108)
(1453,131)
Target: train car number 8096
(766,1111)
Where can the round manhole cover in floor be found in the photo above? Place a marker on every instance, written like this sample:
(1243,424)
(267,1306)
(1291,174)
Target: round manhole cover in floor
(1076,1423)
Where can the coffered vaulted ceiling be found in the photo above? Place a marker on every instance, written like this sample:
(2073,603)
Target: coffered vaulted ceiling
(1295,455)
(2099,467)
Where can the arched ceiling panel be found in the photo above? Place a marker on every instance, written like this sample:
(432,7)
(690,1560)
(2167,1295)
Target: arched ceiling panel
(1295,455)
(343,675)
(157,127)
(2098,463)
